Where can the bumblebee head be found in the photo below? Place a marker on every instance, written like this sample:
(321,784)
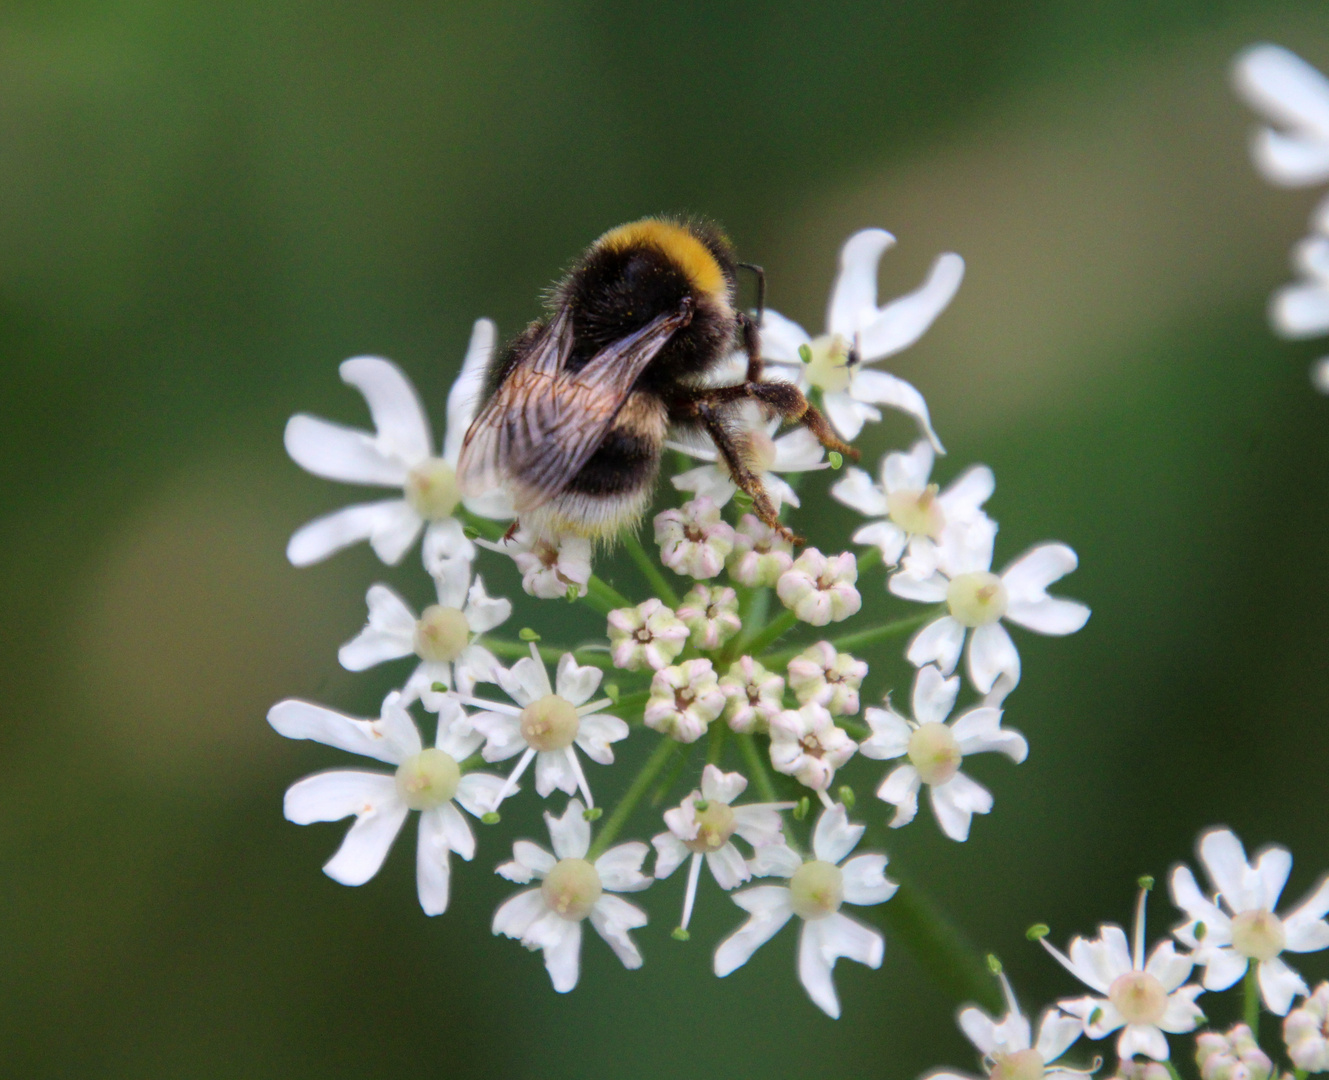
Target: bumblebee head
(701,252)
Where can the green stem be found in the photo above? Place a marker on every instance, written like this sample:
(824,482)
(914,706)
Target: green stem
(869,559)
(1172,1070)
(775,629)
(939,946)
(715,739)
(551,654)
(863,639)
(649,570)
(604,597)
(630,702)
(1250,990)
(761,775)
(619,815)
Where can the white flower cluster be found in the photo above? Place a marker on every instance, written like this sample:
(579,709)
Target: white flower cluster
(1292,150)
(1229,932)
(711,665)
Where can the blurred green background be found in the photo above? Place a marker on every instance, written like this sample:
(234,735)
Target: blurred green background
(204,208)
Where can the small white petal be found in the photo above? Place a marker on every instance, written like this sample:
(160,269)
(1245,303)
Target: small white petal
(853,303)
(571,834)
(1056,1033)
(728,867)
(517,913)
(882,388)
(824,941)
(992,653)
(768,909)
(477,792)
(1279,984)
(575,683)
(904,320)
(670,854)
(1051,615)
(937,643)
(1224,859)
(979,731)
(847,415)
(1168,966)
(432,872)
(390,526)
(956,802)
(399,419)
(1029,576)
(890,734)
(865,880)
(774,860)
(563,955)
(834,837)
(336,452)
(1141,1039)
(620,867)
(1284,87)
(900,789)
(934,695)
(464,397)
(553,771)
(612,918)
(392,738)
(389,634)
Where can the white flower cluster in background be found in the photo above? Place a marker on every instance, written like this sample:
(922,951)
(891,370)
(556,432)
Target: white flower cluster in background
(1292,150)
(1143,997)
(748,659)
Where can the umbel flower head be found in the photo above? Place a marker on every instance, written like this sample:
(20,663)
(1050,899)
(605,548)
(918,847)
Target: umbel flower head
(1009,1053)
(859,333)
(443,637)
(428,780)
(935,751)
(958,572)
(1142,998)
(703,827)
(1238,926)
(399,454)
(817,889)
(571,890)
(547,723)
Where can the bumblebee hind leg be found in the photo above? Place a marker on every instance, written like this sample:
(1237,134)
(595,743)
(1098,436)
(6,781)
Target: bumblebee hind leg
(712,421)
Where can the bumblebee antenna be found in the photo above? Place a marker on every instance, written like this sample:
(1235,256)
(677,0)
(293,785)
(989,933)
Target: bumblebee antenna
(760,275)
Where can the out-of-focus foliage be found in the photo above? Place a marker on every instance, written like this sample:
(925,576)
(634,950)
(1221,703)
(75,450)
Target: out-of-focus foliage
(203,208)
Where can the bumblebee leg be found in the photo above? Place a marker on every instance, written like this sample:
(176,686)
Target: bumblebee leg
(752,347)
(747,480)
(787,401)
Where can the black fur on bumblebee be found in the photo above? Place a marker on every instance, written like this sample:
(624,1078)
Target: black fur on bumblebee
(579,405)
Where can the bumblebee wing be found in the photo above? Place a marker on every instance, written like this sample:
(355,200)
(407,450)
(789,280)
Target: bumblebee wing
(544,422)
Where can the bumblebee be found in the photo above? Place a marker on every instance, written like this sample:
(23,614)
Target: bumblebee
(578,407)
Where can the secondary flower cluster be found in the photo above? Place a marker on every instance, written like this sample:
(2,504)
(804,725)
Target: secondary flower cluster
(1229,931)
(726,662)
(1292,150)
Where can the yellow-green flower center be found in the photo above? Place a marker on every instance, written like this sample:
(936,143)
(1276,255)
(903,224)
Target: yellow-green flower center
(441,634)
(550,723)
(977,599)
(715,825)
(1019,1065)
(816,890)
(1139,997)
(571,889)
(934,752)
(917,512)
(428,779)
(431,489)
(829,369)
(1258,934)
